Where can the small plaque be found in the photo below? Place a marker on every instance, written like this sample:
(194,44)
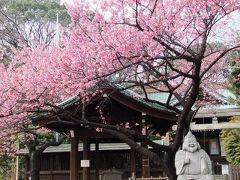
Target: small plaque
(85,163)
(225,169)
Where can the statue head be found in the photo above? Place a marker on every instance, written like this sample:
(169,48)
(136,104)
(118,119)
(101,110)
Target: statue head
(190,143)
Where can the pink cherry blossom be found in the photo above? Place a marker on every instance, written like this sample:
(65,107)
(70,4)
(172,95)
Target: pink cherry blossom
(121,37)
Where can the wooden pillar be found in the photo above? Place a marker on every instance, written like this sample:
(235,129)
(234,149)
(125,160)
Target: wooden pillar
(145,159)
(86,153)
(74,159)
(133,163)
(145,165)
(51,166)
(96,159)
(26,173)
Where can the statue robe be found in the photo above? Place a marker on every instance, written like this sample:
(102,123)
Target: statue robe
(199,163)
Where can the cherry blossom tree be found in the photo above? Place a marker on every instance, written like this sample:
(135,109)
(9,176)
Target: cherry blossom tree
(166,45)
(26,23)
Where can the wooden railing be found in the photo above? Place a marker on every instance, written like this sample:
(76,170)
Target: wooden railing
(234,172)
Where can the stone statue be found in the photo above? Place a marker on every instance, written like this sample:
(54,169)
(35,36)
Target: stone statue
(192,162)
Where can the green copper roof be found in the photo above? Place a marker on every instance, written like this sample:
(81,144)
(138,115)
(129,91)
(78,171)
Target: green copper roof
(130,93)
(126,92)
(69,101)
(63,104)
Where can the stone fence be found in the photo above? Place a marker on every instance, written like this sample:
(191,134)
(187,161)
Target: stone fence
(221,177)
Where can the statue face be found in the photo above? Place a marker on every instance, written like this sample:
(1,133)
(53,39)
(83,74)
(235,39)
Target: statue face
(190,143)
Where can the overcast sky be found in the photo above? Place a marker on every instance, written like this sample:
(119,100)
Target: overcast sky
(66,1)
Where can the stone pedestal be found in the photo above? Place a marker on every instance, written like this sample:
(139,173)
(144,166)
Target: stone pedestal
(195,177)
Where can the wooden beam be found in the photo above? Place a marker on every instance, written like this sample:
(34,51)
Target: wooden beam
(86,157)
(74,159)
(209,127)
(218,112)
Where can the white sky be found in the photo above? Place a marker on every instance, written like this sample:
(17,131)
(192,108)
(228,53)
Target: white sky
(230,31)
(66,1)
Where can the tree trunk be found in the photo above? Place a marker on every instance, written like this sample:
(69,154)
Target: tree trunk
(34,165)
(169,167)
